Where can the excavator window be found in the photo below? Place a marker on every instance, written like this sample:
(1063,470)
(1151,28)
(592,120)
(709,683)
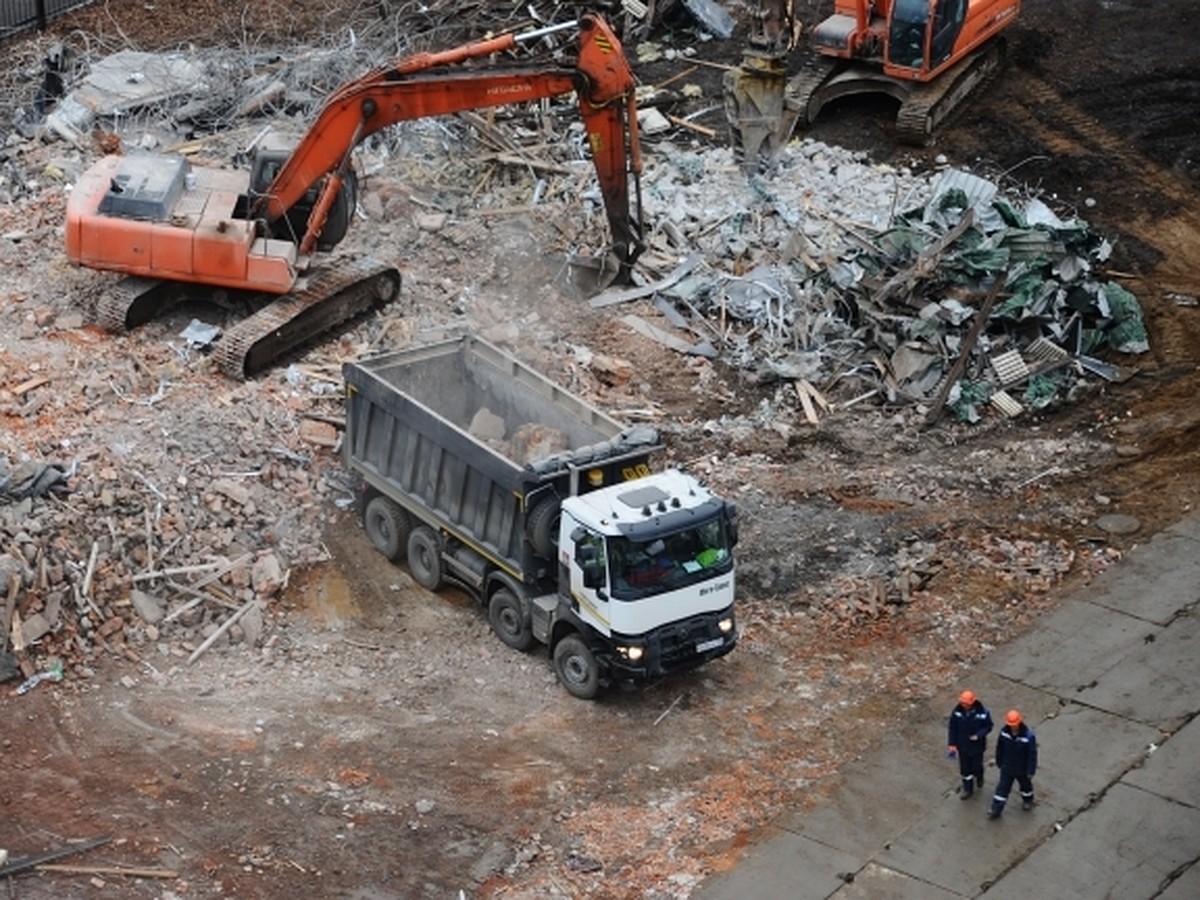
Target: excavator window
(947,26)
(906,36)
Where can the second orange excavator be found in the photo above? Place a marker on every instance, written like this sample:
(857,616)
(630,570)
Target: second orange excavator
(928,54)
(257,232)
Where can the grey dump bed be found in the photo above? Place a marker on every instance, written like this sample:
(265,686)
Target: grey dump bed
(467,434)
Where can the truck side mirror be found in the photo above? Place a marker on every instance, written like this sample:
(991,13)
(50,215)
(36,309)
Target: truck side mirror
(731,523)
(593,574)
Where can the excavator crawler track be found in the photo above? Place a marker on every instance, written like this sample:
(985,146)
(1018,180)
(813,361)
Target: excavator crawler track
(132,302)
(924,108)
(334,294)
(339,291)
(930,106)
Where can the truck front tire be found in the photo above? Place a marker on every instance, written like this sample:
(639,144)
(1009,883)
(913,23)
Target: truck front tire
(509,621)
(424,558)
(388,526)
(576,667)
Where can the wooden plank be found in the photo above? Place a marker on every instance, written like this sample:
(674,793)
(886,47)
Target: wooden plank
(964,353)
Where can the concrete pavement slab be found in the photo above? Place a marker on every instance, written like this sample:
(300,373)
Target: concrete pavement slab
(1171,770)
(1170,562)
(877,882)
(1081,751)
(1186,885)
(1127,846)
(1157,682)
(1189,527)
(878,798)
(1072,647)
(783,866)
(956,847)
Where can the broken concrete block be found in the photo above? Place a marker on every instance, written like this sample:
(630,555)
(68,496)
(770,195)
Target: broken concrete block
(266,575)
(34,627)
(150,608)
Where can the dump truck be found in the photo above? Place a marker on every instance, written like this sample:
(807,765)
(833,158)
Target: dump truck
(479,472)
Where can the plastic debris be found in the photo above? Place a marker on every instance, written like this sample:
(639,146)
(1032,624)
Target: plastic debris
(54,673)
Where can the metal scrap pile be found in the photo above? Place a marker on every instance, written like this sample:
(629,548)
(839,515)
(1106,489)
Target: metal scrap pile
(865,280)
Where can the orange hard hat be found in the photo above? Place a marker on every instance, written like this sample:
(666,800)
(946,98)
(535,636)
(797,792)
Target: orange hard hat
(1013,718)
(967,698)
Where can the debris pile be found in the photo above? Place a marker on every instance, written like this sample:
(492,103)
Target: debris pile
(872,281)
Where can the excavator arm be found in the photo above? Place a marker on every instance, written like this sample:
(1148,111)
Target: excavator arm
(433,84)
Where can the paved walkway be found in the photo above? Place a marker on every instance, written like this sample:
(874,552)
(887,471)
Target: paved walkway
(1110,683)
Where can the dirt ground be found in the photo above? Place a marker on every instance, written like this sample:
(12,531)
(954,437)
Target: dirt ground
(382,744)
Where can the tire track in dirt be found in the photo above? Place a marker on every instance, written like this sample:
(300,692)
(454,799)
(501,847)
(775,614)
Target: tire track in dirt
(1064,128)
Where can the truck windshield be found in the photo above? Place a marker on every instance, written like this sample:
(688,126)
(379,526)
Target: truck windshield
(643,568)
(906,36)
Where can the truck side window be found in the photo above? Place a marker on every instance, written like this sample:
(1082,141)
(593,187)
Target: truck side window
(589,556)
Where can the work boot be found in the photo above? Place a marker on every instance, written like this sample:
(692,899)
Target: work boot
(979,782)
(1027,803)
(965,793)
(994,812)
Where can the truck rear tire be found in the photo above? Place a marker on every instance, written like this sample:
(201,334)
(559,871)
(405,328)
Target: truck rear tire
(541,527)
(509,620)
(576,667)
(424,558)
(388,527)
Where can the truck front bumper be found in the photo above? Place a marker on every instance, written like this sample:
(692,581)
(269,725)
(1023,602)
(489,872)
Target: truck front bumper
(677,647)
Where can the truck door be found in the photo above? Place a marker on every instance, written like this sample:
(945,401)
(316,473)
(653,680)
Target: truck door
(587,572)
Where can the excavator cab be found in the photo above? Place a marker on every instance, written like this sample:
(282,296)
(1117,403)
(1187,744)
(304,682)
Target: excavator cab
(269,155)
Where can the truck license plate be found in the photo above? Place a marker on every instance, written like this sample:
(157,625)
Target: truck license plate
(705,646)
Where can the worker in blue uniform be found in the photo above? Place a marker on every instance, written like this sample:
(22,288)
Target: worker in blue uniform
(970,724)
(1016,758)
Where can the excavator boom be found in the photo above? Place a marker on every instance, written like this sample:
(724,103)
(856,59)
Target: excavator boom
(420,86)
(158,218)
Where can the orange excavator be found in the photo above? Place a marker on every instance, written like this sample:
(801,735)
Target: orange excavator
(928,54)
(256,233)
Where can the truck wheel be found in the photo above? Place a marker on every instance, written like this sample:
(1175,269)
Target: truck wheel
(576,668)
(509,621)
(541,527)
(387,525)
(424,558)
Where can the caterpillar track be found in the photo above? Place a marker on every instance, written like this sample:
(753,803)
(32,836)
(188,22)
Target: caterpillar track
(924,108)
(279,324)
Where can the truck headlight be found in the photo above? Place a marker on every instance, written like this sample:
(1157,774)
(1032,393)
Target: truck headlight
(725,625)
(632,652)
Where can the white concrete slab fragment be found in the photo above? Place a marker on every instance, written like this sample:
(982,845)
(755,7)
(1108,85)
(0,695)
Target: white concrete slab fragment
(956,847)
(877,800)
